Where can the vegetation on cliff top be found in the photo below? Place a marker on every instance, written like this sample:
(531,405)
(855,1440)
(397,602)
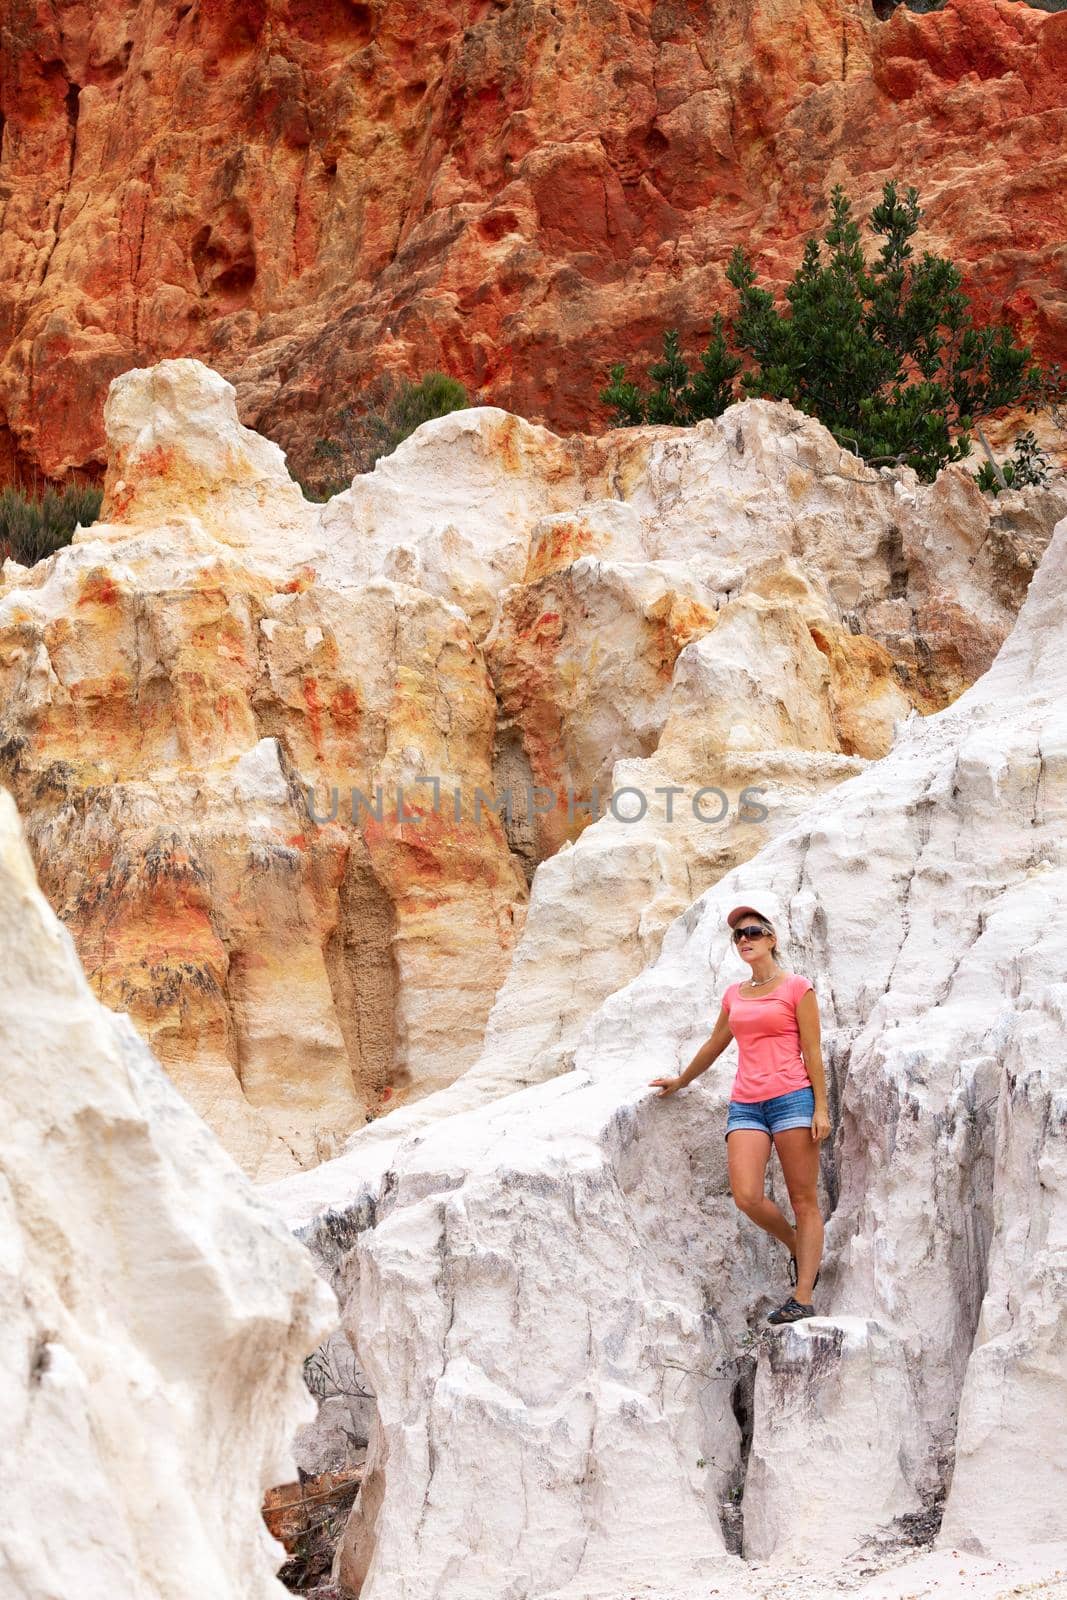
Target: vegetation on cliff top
(889,6)
(1028,466)
(391,411)
(35,524)
(885,353)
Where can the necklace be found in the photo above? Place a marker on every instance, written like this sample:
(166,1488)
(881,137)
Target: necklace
(762,981)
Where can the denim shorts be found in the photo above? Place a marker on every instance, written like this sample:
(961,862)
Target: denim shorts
(793,1110)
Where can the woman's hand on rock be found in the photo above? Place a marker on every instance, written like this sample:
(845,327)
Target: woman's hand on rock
(669,1085)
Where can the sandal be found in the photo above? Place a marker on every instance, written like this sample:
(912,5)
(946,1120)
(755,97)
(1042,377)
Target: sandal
(793,1273)
(791,1311)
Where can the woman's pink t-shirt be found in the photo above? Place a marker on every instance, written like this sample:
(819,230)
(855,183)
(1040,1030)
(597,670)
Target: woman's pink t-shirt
(768,1040)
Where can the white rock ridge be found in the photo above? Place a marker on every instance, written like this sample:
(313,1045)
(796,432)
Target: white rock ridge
(801,592)
(154,1313)
(186,688)
(556,1301)
(182,696)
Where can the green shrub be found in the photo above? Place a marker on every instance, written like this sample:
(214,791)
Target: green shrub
(676,399)
(391,410)
(434,396)
(1029,465)
(34,525)
(939,5)
(884,354)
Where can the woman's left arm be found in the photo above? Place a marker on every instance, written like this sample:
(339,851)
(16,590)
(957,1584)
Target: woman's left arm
(811,1049)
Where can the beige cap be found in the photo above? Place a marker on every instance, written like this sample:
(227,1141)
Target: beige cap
(743,911)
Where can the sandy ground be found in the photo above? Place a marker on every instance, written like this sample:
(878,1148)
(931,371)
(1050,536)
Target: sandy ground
(1039,1573)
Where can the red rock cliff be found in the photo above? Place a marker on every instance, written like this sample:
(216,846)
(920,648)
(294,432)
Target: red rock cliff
(306,191)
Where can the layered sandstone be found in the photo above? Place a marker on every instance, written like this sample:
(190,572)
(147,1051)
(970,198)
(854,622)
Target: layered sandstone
(519,192)
(582,1305)
(213,696)
(194,715)
(154,1313)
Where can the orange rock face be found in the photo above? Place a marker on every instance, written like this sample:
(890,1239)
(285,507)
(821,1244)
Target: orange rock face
(518,191)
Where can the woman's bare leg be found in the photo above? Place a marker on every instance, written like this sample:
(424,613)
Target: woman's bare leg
(799,1154)
(747,1153)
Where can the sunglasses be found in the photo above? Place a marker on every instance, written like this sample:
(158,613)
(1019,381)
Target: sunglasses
(750,932)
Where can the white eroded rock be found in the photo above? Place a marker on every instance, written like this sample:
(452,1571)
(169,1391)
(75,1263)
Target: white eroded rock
(492,607)
(611,1438)
(185,726)
(176,447)
(536,1250)
(832,1394)
(154,1313)
(451,510)
(1010,1478)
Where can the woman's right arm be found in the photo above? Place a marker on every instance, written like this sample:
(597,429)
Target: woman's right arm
(709,1051)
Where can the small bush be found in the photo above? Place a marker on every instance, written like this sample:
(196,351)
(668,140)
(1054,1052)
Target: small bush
(1028,466)
(391,410)
(34,525)
(884,352)
(939,5)
(677,399)
(435,396)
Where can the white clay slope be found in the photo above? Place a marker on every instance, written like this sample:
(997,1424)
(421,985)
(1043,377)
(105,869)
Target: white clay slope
(154,1314)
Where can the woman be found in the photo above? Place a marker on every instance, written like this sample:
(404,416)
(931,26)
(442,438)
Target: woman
(778,1095)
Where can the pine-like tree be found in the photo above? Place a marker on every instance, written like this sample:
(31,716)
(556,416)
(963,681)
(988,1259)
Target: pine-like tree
(885,354)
